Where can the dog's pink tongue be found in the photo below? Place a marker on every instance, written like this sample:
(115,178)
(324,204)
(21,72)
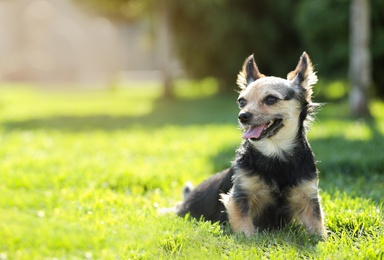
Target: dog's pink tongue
(253,132)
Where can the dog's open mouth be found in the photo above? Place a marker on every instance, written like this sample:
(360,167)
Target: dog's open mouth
(258,132)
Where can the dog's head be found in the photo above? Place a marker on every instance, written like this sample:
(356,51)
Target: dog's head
(274,111)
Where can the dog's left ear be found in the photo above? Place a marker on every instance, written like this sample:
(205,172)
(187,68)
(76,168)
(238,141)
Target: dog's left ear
(249,73)
(304,75)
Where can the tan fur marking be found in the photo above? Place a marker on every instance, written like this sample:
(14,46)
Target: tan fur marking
(301,203)
(239,222)
(260,194)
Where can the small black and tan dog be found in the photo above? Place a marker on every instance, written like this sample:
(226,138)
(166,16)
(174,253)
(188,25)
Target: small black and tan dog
(273,179)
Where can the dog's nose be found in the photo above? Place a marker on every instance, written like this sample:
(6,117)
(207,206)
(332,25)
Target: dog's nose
(244,117)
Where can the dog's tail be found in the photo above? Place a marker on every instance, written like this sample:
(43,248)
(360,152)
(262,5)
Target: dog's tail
(188,187)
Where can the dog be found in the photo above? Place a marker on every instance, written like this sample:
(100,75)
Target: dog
(273,179)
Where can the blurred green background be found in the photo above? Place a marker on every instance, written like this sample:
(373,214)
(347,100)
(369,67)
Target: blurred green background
(106,42)
(212,37)
(108,107)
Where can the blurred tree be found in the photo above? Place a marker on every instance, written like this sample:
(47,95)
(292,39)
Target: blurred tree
(126,10)
(360,60)
(323,27)
(213,37)
(324,33)
(167,52)
(377,46)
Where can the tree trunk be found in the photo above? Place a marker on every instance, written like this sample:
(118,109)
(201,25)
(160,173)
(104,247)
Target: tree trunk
(166,55)
(360,60)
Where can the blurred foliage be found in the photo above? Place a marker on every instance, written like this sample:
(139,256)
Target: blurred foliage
(377,46)
(213,37)
(118,9)
(323,29)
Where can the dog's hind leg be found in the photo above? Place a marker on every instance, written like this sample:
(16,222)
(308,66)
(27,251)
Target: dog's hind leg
(305,207)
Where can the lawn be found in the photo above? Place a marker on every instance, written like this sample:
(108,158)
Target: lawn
(83,174)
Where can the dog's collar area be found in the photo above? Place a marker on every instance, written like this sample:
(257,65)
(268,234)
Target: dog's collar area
(259,132)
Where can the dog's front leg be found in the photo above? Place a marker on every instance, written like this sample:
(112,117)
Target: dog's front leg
(239,212)
(305,207)
(246,201)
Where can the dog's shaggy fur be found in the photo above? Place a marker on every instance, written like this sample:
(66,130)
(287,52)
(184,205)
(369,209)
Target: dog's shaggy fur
(273,179)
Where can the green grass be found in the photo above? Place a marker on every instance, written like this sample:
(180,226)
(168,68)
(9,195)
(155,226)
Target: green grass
(83,174)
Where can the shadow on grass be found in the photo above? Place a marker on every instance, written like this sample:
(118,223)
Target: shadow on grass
(220,109)
(336,154)
(351,157)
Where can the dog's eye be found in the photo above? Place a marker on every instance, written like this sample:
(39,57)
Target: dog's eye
(242,102)
(270,100)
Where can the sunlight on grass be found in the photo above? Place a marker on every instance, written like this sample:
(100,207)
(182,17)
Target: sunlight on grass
(355,130)
(196,89)
(331,90)
(21,104)
(83,174)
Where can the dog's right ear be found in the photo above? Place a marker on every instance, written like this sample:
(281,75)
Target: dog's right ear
(249,73)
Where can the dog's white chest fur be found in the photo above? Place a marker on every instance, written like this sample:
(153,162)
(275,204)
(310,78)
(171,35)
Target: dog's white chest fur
(280,144)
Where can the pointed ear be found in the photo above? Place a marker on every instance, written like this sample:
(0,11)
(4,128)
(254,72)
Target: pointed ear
(304,75)
(249,73)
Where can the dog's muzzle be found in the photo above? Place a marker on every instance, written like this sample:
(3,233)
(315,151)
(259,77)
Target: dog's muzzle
(244,117)
(259,129)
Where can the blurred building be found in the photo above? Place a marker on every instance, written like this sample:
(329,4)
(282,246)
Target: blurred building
(55,41)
